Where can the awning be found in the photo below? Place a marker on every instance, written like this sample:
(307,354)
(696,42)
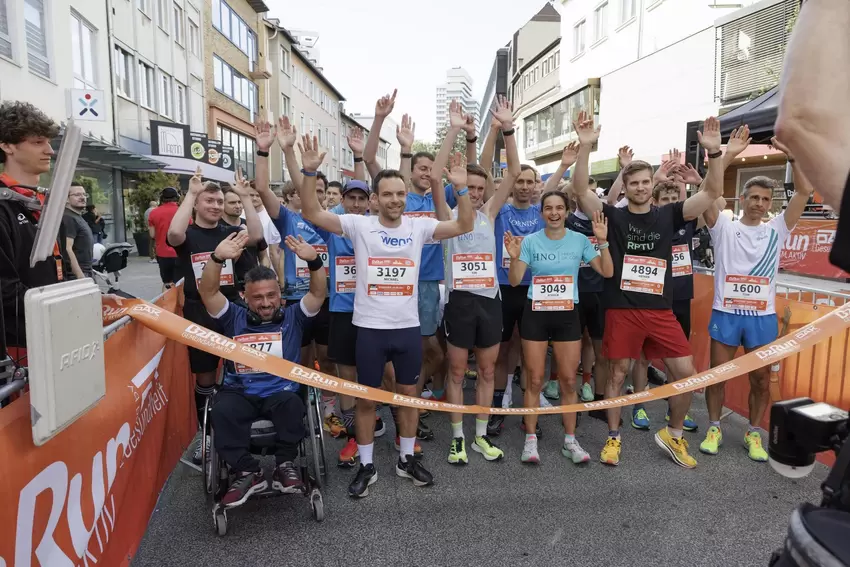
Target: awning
(186,166)
(546,176)
(759,114)
(102,153)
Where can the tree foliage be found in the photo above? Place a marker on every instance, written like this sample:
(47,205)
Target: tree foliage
(148,188)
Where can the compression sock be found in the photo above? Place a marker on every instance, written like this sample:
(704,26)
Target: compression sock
(480,427)
(457,430)
(568,439)
(406,446)
(365,452)
(348,421)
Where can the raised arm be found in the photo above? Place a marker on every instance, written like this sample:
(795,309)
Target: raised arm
(471,139)
(311,209)
(265,136)
(242,187)
(286,138)
(602,264)
(503,116)
(625,155)
(465,220)
(383,108)
(712,185)
(228,250)
(568,158)
(318,280)
(180,222)
(513,244)
(405,134)
(738,142)
(456,122)
(802,188)
(356,143)
(489,148)
(588,134)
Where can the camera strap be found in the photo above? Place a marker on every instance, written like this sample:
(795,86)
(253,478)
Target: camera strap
(838,479)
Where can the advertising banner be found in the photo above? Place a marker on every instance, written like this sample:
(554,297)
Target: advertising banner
(806,250)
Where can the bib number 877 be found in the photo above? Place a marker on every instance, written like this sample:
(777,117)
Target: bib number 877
(264,347)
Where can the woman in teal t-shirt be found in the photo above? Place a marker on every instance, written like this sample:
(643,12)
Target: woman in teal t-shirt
(554,256)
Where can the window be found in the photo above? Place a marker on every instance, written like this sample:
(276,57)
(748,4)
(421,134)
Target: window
(578,38)
(627,10)
(83,48)
(162,14)
(285,61)
(244,149)
(600,22)
(145,7)
(165,95)
(36,32)
(5,39)
(234,86)
(179,30)
(235,29)
(123,72)
(146,86)
(284,105)
(321,140)
(194,38)
(557,59)
(302,123)
(180,105)
(311,125)
(333,145)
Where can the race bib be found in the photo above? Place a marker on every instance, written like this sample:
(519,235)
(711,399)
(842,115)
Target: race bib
(391,276)
(552,293)
(746,292)
(506,258)
(301,269)
(642,274)
(199,261)
(345,272)
(268,343)
(424,215)
(682,265)
(473,271)
(595,247)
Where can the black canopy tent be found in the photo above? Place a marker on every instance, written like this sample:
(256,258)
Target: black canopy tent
(759,114)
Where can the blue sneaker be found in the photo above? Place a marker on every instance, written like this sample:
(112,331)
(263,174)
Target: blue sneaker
(689,424)
(640,420)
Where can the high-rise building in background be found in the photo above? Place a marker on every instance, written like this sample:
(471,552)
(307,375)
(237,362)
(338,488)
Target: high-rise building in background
(458,86)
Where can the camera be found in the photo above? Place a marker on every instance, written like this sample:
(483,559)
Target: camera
(818,536)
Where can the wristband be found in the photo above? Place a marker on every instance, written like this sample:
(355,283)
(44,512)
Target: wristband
(406,156)
(472,140)
(604,246)
(315,264)
(261,153)
(508,132)
(462,192)
(358,159)
(308,173)
(216,259)
(715,155)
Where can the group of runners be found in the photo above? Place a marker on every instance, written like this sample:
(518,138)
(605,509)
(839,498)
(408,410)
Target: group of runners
(605,285)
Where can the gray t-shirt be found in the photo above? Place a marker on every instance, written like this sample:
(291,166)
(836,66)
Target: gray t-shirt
(78,229)
(471,259)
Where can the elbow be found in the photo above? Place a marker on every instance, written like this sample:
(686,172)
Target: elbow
(608,272)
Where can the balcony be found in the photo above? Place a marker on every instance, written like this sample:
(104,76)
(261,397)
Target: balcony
(261,70)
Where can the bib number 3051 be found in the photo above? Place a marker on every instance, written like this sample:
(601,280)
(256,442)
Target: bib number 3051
(473,271)
(552,293)
(642,274)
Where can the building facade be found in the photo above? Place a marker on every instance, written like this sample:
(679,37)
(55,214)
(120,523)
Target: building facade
(279,90)
(497,84)
(458,86)
(389,142)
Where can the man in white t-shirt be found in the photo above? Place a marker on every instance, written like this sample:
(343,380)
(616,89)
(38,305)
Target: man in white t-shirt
(747,254)
(270,233)
(387,252)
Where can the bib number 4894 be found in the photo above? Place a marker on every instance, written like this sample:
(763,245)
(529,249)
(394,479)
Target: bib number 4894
(642,274)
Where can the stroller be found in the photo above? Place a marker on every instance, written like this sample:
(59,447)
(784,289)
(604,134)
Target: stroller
(108,261)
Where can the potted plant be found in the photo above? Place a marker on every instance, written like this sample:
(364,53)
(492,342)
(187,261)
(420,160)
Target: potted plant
(148,189)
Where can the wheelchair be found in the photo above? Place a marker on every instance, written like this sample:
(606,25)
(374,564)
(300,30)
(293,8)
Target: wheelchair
(310,462)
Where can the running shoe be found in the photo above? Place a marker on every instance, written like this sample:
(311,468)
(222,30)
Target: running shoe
(639,418)
(529,452)
(753,441)
(366,476)
(713,439)
(495,425)
(611,452)
(286,479)
(551,391)
(380,427)
(242,489)
(689,423)
(573,451)
(417,448)
(457,452)
(538,431)
(196,456)
(470,374)
(489,451)
(630,389)
(586,392)
(676,447)
(348,454)
(334,426)
(423,432)
(412,468)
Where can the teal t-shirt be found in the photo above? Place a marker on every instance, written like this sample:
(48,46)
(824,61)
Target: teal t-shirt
(562,257)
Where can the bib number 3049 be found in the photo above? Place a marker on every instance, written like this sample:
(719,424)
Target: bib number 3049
(552,293)
(746,292)
(642,274)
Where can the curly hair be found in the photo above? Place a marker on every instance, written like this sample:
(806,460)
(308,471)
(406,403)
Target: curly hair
(21,120)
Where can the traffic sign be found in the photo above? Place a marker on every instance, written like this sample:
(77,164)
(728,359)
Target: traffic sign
(88,104)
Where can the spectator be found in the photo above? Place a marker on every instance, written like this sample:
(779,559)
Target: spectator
(95,222)
(158,222)
(79,240)
(151,249)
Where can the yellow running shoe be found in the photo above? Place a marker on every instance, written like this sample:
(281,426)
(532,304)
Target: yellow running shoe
(753,441)
(611,452)
(676,447)
(711,444)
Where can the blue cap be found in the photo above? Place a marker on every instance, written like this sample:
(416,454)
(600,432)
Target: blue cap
(356,184)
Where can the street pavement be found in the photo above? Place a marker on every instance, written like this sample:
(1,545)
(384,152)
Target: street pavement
(728,511)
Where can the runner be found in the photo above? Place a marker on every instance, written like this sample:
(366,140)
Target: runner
(158,223)
(270,233)
(194,243)
(232,215)
(473,315)
(387,249)
(639,315)
(247,394)
(747,254)
(333,195)
(554,256)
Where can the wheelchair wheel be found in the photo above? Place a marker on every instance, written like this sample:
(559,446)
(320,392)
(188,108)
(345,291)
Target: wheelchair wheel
(220,519)
(212,468)
(317,505)
(206,460)
(319,437)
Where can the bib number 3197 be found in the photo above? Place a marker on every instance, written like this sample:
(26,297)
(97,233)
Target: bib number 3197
(391,276)
(642,274)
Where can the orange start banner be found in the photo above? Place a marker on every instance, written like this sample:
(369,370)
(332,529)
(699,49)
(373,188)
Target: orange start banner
(806,249)
(178,329)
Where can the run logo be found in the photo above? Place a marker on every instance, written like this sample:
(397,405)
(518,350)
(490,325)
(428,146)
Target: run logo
(806,331)
(786,348)
(300,374)
(147,309)
(206,337)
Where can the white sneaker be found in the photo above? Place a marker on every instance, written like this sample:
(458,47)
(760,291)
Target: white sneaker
(574,451)
(196,456)
(544,403)
(529,452)
(507,398)
(586,393)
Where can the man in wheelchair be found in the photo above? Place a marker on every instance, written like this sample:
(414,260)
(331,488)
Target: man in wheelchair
(247,394)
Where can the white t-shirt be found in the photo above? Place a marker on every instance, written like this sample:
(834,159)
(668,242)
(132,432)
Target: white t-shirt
(270,233)
(387,261)
(746,265)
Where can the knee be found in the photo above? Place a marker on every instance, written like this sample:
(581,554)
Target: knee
(364,405)
(487,374)
(760,380)
(567,381)
(535,383)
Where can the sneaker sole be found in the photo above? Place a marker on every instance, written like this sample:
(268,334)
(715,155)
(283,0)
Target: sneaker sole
(381,432)
(609,463)
(418,483)
(459,462)
(487,457)
(253,490)
(283,490)
(347,464)
(640,427)
(706,452)
(365,493)
(534,461)
(672,454)
(569,455)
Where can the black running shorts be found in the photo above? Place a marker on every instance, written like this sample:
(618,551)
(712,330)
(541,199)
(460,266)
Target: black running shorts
(472,321)
(513,306)
(555,326)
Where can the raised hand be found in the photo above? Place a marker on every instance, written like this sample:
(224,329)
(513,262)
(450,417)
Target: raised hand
(513,244)
(231,247)
(709,138)
(242,185)
(385,105)
(588,134)
(626,155)
(356,141)
(687,174)
(781,147)
(287,135)
(570,154)
(469,126)
(502,113)
(675,155)
(665,171)
(311,159)
(264,134)
(456,173)
(300,248)
(406,133)
(456,117)
(600,227)
(739,139)
(196,184)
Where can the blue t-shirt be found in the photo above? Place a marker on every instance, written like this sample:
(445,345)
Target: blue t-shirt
(291,223)
(342,271)
(337,210)
(431,263)
(282,340)
(520,222)
(562,257)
